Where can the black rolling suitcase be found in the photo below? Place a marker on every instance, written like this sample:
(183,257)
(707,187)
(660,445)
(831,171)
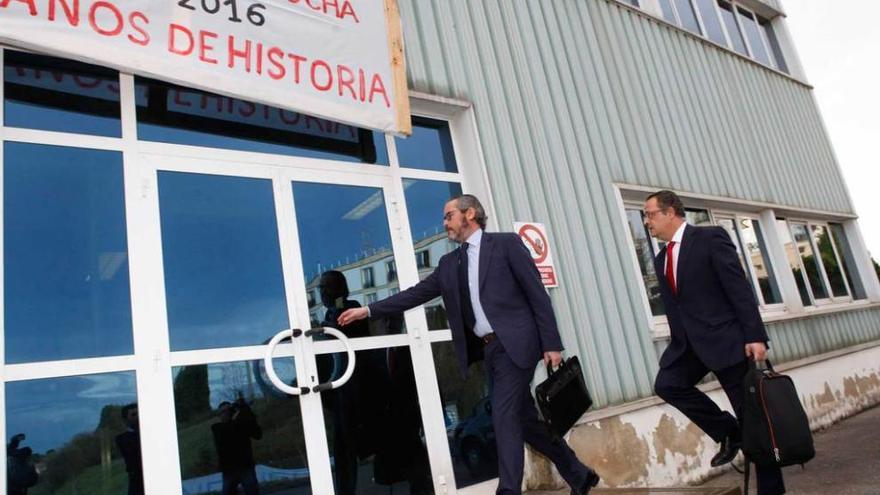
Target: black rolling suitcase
(775,428)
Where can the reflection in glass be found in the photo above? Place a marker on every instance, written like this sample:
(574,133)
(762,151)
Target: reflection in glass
(687,15)
(810,262)
(728,225)
(345,228)
(849,262)
(374,425)
(753,32)
(711,22)
(65,252)
(668,13)
(778,58)
(424,204)
(645,254)
(468,414)
(753,239)
(792,255)
(822,238)
(428,148)
(54,94)
(234,428)
(174,114)
(223,278)
(697,217)
(733,31)
(68,435)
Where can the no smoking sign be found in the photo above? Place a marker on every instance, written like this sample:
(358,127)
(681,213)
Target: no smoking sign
(534,236)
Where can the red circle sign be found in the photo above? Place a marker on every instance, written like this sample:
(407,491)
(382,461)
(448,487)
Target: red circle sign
(536,241)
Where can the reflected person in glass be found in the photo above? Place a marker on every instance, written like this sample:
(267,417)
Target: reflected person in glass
(499,311)
(129,444)
(232,439)
(20,471)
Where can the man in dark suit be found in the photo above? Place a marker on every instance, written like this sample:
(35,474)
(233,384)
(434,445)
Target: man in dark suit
(499,311)
(129,444)
(714,323)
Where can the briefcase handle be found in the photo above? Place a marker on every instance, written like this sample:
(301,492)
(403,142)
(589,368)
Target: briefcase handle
(561,365)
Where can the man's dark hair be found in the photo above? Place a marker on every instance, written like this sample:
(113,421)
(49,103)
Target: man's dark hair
(126,408)
(465,201)
(668,199)
(332,286)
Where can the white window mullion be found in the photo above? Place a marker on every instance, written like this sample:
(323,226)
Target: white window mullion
(152,347)
(743,33)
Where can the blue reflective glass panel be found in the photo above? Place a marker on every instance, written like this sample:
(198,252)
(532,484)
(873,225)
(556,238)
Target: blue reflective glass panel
(429,147)
(223,279)
(54,94)
(69,435)
(425,200)
(173,114)
(344,230)
(65,254)
(235,428)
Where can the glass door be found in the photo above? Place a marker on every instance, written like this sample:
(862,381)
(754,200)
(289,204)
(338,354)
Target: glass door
(248,251)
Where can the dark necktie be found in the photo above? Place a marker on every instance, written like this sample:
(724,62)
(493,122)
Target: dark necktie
(467,311)
(670,267)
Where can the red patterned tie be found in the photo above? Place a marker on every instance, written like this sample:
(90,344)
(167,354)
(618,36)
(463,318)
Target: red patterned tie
(670,267)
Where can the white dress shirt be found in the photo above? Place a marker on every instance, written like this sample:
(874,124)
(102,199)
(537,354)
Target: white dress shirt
(679,235)
(481,326)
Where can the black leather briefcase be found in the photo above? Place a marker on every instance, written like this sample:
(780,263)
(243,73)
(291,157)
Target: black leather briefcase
(563,397)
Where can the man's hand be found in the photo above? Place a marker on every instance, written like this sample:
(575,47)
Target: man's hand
(552,357)
(756,351)
(351,315)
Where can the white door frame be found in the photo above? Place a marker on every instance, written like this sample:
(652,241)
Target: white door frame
(155,360)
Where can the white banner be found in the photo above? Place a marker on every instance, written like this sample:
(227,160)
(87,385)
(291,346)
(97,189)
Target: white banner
(337,59)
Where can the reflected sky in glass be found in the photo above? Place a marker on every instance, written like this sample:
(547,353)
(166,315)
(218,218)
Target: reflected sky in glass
(223,279)
(340,225)
(428,148)
(52,411)
(67,289)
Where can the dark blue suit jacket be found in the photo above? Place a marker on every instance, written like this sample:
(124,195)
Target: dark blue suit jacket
(714,309)
(511,293)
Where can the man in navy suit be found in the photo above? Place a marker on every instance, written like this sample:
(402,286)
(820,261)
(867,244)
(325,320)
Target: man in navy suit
(499,311)
(714,323)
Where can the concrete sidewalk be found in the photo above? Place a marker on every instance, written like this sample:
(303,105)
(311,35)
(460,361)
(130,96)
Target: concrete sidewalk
(847,463)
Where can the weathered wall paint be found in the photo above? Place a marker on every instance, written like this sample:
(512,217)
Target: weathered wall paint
(658,446)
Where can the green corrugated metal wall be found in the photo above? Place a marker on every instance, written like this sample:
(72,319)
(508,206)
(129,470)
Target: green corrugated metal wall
(571,96)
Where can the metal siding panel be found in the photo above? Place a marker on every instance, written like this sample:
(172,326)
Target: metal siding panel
(570,97)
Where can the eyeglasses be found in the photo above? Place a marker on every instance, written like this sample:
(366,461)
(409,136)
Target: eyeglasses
(448,215)
(652,213)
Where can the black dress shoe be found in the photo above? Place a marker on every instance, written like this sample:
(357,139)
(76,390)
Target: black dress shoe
(588,484)
(727,453)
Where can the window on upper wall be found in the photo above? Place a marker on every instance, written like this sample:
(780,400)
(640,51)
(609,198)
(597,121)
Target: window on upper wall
(367,280)
(820,273)
(729,24)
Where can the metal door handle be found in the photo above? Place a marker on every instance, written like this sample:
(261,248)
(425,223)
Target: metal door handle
(270,369)
(349,370)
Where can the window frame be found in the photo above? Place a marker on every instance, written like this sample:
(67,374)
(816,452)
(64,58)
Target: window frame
(831,299)
(738,217)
